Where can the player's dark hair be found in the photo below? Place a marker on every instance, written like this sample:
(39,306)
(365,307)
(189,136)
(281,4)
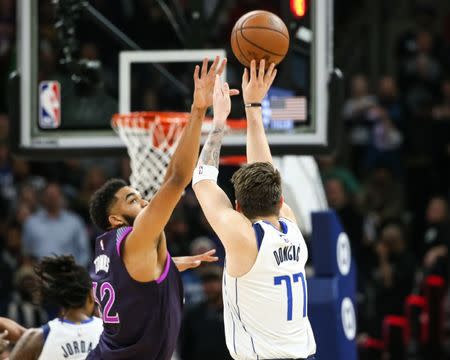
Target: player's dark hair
(257,188)
(102,200)
(62,282)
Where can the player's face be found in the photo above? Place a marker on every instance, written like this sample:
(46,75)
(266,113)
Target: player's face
(127,207)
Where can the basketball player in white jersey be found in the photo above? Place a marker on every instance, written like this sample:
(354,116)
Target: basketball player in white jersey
(264,285)
(71,336)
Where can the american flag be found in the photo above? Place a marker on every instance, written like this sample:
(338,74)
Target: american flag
(289,108)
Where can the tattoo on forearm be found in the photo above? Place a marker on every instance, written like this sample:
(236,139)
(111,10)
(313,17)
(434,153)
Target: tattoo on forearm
(210,154)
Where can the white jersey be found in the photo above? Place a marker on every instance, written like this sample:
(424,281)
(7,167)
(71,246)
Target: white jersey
(265,310)
(68,341)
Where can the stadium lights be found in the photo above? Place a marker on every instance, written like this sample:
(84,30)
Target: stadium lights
(298,8)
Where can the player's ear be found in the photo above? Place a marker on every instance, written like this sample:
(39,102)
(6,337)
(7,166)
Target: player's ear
(237,206)
(90,304)
(90,298)
(280,202)
(116,221)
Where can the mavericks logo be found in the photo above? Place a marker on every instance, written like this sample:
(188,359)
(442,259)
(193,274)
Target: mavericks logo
(348,318)
(343,254)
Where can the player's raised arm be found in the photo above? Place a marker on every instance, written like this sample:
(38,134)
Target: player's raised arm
(214,202)
(254,88)
(29,346)
(150,223)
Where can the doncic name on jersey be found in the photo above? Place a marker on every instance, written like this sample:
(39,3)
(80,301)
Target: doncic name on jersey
(289,252)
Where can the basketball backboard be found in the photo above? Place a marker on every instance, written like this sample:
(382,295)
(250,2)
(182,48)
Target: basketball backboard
(66,111)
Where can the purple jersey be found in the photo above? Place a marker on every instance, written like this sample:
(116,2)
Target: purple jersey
(141,320)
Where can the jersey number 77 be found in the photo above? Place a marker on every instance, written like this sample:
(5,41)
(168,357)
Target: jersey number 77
(278,280)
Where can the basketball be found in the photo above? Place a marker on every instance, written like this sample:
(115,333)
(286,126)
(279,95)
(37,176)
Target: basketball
(259,35)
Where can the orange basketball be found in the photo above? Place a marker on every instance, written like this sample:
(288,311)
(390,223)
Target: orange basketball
(259,35)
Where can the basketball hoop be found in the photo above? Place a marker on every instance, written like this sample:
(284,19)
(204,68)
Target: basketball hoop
(151,139)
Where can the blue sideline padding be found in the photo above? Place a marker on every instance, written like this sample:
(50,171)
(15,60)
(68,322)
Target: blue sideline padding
(331,293)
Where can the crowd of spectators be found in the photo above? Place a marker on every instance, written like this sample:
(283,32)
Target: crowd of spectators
(389,183)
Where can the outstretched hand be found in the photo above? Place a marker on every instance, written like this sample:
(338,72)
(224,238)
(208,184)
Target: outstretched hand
(204,82)
(14,330)
(255,88)
(221,102)
(3,342)
(189,262)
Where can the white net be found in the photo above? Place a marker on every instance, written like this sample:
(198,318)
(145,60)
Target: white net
(151,140)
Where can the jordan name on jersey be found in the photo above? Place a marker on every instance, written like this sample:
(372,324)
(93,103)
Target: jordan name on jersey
(76,347)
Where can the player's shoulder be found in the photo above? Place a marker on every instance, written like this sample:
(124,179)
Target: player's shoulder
(30,344)
(33,337)
(288,220)
(115,232)
(97,321)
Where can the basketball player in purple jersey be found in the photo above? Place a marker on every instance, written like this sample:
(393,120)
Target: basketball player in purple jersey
(135,281)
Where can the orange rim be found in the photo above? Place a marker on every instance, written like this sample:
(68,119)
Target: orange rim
(144,119)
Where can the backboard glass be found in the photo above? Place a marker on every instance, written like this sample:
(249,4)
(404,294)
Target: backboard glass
(59,115)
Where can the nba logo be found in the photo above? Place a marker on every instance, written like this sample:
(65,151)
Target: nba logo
(49,105)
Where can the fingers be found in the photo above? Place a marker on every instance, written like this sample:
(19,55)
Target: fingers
(3,341)
(194,264)
(269,73)
(253,70)
(272,77)
(222,66)
(217,84)
(209,252)
(204,67)
(234,92)
(262,66)
(212,70)
(196,72)
(245,78)
(226,89)
(211,259)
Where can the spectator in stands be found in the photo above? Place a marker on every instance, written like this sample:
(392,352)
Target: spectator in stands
(28,197)
(330,169)
(388,98)
(436,238)
(54,230)
(93,179)
(355,113)
(10,261)
(440,145)
(424,19)
(351,220)
(24,307)
(422,72)
(386,142)
(202,333)
(383,198)
(7,189)
(441,111)
(393,276)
